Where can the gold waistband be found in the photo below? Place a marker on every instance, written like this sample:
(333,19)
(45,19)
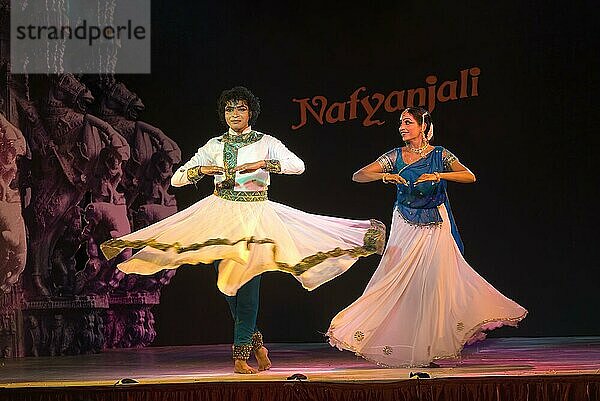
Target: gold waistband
(241,196)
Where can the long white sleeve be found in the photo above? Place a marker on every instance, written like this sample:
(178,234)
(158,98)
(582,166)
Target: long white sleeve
(201,158)
(267,148)
(290,163)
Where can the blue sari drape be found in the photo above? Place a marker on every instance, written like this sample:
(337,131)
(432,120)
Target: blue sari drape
(417,204)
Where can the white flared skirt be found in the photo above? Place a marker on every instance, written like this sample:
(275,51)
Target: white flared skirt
(424,301)
(250,238)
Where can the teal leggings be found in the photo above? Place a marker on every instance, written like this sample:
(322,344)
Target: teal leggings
(244,309)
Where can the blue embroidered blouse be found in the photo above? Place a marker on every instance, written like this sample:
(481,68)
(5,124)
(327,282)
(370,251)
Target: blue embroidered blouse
(418,204)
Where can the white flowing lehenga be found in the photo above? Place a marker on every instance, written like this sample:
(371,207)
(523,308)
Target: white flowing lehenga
(240,227)
(424,301)
(250,237)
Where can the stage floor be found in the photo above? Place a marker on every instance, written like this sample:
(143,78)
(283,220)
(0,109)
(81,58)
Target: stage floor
(319,362)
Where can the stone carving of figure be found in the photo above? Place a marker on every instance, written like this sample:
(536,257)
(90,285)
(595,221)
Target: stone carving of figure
(8,165)
(68,146)
(157,180)
(149,332)
(57,342)
(34,337)
(114,329)
(153,154)
(108,177)
(135,329)
(64,263)
(104,221)
(99,336)
(13,247)
(147,174)
(86,336)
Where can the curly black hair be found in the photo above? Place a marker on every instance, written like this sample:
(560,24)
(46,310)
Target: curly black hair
(234,95)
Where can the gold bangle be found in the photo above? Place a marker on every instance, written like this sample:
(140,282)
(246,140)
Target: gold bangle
(383,178)
(194,174)
(437,176)
(272,166)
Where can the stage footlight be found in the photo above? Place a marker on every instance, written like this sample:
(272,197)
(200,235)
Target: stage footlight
(126,380)
(297,376)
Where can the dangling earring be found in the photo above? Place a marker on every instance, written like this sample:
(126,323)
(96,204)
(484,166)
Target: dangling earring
(423,125)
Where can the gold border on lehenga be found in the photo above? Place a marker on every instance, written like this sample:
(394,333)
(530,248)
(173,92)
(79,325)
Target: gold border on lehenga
(506,321)
(373,242)
(113,247)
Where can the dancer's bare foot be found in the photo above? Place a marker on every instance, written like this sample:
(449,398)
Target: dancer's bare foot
(241,366)
(262,357)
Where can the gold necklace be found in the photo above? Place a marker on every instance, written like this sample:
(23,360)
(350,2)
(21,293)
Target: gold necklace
(420,150)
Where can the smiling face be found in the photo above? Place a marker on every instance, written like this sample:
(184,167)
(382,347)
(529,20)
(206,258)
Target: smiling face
(237,115)
(409,127)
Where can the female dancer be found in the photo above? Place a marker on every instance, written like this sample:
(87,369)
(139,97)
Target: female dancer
(243,230)
(424,301)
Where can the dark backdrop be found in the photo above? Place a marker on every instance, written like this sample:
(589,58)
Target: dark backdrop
(529,223)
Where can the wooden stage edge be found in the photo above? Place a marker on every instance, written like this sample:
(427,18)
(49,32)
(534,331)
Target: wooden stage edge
(499,357)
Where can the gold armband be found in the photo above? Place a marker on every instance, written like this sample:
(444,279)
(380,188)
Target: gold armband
(194,175)
(273,166)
